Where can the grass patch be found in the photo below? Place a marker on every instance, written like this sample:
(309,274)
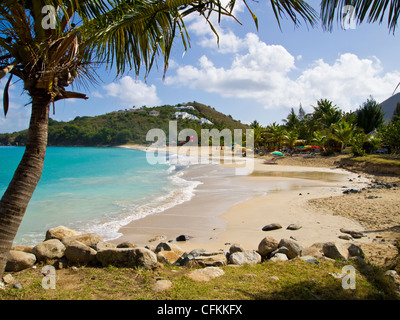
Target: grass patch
(384,159)
(268,281)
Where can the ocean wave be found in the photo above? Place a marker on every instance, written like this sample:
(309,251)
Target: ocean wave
(179,191)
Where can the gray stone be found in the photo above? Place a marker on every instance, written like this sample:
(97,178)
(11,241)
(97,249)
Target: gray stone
(246,257)
(19,260)
(272,226)
(279,257)
(203,258)
(104,245)
(9,279)
(267,245)
(49,251)
(293,247)
(162,285)
(355,251)
(165,246)
(354,234)
(79,253)
(309,259)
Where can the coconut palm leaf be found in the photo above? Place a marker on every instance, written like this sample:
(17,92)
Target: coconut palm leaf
(364,10)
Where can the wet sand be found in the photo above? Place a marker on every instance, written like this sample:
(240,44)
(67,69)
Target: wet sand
(229,208)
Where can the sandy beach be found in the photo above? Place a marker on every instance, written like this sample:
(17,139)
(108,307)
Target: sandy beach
(229,208)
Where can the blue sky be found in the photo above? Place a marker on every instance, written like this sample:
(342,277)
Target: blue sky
(251,75)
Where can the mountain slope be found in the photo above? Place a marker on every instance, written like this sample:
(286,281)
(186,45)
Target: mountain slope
(126,126)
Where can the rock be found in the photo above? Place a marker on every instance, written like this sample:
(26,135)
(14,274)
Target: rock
(167,257)
(104,245)
(164,246)
(162,285)
(279,257)
(19,260)
(283,250)
(273,278)
(354,234)
(9,279)
(345,237)
(294,226)
(48,251)
(272,226)
(246,257)
(205,274)
(293,247)
(126,244)
(236,248)
(202,258)
(392,274)
(127,257)
(355,251)
(312,251)
(79,253)
(26,249)
(183,238)
(60,233)
(89,239)
(334,251)
(309,259)
(17,286)
(267,245)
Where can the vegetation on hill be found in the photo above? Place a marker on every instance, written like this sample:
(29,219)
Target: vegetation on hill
(124,126)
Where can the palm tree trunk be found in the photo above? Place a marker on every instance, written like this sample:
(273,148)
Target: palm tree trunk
(20,190)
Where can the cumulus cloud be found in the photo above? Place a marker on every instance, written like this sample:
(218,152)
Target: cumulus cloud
(130,92)
(262,73)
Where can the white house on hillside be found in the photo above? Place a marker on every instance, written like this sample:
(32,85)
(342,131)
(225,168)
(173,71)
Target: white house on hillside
(184,115)
(205,121)
(180,108)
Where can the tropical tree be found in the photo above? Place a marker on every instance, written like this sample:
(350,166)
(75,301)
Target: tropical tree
(369,116)
(325,114)
(292,121)
(320,139)
(343,132)
(275,134)
(50,44)
(290,138)
(396,112)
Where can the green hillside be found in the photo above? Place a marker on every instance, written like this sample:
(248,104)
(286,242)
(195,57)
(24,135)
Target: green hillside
(125,126)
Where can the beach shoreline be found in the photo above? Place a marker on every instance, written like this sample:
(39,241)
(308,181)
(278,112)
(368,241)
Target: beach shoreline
(216,217)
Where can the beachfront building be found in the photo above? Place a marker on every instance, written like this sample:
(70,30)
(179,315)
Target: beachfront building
(184,115)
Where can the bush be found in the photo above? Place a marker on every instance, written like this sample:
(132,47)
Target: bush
(327,152)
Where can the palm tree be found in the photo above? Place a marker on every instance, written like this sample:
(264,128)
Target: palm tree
(343,131)
(361,10)
(320,139)
(325,114)
(49,51)
(275,134)
(290,138)
(369,116)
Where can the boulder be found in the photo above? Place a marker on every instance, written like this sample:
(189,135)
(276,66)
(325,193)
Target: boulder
(309,259)
(294,249)
(312,251)
(19,260)
(128,257)
(80,254)
(205,274)
(201,257)
(294,226)
(126,244)
(279,257)
(335,251)
(167,257)
(104,245)
(22,248)
(267,245)
(236,248)
(354,234)
(89,239)
(49,251)
(165,246)
(272,226)
(60,233)
(245,257)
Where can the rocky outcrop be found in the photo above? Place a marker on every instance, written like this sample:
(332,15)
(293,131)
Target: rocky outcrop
(19,260)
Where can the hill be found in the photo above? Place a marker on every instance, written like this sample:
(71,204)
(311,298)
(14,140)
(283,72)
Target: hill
(389,105)
(128,126)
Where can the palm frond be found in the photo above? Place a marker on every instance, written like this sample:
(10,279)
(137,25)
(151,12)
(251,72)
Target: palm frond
(364,10)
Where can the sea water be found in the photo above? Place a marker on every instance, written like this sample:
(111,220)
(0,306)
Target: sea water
(94,190)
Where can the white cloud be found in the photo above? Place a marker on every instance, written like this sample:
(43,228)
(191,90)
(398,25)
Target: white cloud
(263,74)
(133,92)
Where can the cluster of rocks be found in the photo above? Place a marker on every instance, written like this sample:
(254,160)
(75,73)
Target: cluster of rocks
(373,185)
(65,247)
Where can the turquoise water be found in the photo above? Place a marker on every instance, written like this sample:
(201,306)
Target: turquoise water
(94,190)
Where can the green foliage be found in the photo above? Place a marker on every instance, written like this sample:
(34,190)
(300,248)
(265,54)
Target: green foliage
(124,127)
(369,116)
(390,134)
